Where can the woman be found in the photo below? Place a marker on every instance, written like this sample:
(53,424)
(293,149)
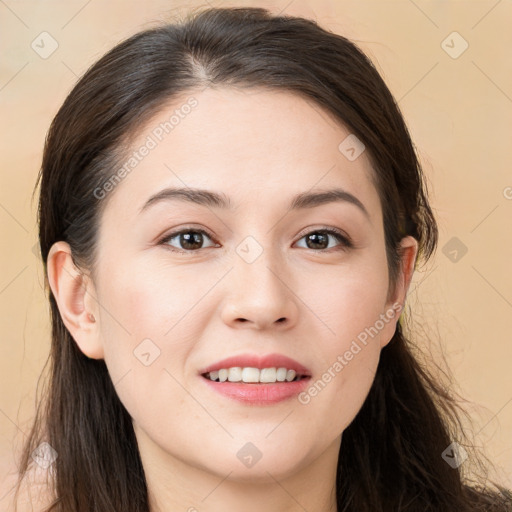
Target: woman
(216,348)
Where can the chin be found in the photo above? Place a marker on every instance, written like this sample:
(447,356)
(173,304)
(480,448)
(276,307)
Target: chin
(262,472)
(256,465)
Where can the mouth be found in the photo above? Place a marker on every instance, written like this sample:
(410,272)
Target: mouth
(256,380)
(252,375)
(240,384)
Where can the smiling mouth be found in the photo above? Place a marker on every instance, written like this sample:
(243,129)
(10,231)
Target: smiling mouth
(250,375)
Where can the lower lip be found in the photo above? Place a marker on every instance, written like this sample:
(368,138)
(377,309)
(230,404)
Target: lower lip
(258,394)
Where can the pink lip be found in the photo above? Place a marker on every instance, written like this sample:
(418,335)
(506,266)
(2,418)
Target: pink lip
(258,394)
(255,361)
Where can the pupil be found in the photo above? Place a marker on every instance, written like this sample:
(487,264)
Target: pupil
(315,236)
(191,241)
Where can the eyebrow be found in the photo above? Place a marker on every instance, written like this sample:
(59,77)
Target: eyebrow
(220,200)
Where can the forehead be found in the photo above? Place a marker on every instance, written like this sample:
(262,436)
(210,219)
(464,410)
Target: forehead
(254,145)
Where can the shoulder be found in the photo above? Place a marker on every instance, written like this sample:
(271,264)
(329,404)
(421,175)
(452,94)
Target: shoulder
(34,493)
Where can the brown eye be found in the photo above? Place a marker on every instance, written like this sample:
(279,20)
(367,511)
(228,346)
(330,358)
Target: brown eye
(187,239)
(319,239)
(192,240)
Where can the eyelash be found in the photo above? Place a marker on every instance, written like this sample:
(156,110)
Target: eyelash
(339,235)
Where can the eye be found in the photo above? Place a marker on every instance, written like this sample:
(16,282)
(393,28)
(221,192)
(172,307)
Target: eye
(320,237)
(189,239)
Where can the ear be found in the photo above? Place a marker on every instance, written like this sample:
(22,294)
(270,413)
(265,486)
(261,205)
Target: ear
(76,299)
(396,299)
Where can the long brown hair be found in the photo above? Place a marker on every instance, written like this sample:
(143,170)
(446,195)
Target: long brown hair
(391,456)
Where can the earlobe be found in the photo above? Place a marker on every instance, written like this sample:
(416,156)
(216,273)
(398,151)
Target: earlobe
(74,294)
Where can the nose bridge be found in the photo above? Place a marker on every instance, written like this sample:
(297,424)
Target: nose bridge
(257,268)
(257,286)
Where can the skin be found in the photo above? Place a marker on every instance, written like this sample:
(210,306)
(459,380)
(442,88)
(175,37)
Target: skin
(210,304)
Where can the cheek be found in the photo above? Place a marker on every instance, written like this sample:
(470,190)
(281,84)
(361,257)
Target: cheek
(152,322)
(349,344)
(340,387)
(152,300)
(346,299)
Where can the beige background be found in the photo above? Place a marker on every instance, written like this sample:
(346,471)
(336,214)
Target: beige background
(459,112)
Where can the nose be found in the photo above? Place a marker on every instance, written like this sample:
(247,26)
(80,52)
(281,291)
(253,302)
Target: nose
(258,296)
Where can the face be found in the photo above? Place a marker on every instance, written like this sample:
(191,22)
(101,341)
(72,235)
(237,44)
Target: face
(181,286)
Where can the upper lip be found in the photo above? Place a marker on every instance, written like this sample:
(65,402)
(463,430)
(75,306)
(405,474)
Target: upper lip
(258,361)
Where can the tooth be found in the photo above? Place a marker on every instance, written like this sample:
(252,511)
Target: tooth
(290,375)
(235,374)
(268,375)
(251,374)
(281,374)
